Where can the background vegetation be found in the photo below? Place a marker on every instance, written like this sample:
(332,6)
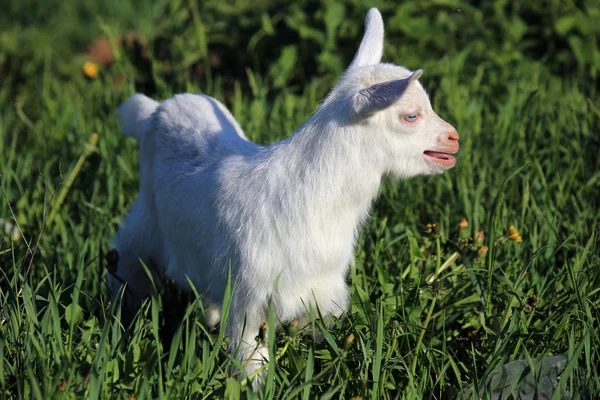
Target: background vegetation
(436,307)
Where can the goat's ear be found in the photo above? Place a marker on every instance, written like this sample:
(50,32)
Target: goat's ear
(381,95)
(371,46)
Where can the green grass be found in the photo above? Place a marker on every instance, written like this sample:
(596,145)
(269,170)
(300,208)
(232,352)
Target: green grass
(425,322)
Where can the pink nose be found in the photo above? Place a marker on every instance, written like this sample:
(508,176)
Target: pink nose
(453,135)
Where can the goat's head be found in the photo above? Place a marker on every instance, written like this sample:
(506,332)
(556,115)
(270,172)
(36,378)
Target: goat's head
(388,101)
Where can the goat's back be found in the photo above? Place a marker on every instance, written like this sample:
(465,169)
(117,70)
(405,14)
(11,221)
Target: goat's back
(189,126)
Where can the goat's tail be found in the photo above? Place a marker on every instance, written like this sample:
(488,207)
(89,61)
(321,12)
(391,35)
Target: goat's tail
(135,115)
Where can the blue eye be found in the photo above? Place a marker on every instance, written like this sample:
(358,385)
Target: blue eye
(411,117)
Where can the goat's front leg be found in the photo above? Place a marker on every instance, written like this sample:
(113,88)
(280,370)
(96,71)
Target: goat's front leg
(330,294)
(248,338)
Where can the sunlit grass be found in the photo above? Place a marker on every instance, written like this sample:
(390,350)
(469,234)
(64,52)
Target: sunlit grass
(434,308)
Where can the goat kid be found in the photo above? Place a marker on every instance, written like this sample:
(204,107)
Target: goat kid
(286,216)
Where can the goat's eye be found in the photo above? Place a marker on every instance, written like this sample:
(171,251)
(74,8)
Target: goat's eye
(411,117)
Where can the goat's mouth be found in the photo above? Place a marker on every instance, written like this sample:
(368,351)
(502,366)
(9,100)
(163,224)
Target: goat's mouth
(438,157)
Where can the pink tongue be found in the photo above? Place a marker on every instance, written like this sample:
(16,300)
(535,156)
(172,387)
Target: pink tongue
(434,154)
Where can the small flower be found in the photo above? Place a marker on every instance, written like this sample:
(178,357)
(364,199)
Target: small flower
(479,236)
(513,234)
(431,228)
(293,327)
(62,387)
(464,231)
(349,340)
(90,70)
(481,253)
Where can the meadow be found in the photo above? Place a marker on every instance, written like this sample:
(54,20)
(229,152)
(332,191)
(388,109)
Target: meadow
(455,275)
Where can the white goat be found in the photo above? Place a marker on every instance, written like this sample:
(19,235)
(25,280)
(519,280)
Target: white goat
(285,217)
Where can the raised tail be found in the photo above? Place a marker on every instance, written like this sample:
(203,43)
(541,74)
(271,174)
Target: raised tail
(134,115)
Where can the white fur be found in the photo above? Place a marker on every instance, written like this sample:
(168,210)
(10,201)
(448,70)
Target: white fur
(284,216)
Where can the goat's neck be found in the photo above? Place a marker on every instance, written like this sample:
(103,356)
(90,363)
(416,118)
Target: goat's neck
(337,169)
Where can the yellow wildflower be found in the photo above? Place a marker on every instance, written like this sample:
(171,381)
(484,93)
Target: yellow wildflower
(349,340)
(463,224)
(513,234)
(90,70)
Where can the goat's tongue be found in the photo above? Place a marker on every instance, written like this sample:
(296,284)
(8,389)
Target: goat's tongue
(435,154)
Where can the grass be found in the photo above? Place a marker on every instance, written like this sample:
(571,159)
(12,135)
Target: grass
(435,308)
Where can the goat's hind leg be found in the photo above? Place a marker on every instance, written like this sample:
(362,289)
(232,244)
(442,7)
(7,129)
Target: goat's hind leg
(136,240)
(212,313)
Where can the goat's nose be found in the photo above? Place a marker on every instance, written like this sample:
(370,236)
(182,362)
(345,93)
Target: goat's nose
(453,135)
